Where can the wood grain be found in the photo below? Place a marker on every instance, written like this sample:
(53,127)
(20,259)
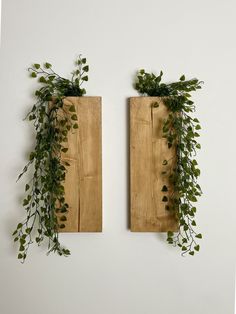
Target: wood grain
(83,183)
(148,149)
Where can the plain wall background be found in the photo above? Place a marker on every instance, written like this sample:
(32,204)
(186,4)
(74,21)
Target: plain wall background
(117,271)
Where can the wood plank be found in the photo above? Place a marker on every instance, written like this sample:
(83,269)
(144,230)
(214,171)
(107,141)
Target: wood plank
(83,184)
(148,149)
(89,119)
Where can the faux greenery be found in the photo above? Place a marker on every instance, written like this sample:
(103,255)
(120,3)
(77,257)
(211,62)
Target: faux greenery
(44,198)
(181,132)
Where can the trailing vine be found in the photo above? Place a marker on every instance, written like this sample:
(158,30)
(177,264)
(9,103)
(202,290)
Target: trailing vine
(181,132)
(44,202)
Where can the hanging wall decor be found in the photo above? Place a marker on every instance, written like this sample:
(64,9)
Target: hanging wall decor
(65,191)
(163,168)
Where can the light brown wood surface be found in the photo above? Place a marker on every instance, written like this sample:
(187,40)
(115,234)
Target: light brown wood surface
(148,149)
(83,183)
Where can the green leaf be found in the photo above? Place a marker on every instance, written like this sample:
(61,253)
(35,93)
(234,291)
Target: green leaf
(182,78)
(42,79)
(51,77)
(85,78)
(20,256)
(191,253)
(32,117)
(22,241)
(47,65)
(83,60)
(72,108)
(27,187)
(170,234)
(184,206)
(64,149)
(33,74)
(74,117)
(21,248)
(192,198)
(165,199)
(164,188)
(155,105)
(63,218)
(186,227)
(197,247)
(197,172)
(199,236)
(75,126)
(25,202)
(194,162)
(85,68)
(37,66)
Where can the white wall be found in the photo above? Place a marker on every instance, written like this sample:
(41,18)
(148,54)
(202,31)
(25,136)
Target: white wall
(119,272)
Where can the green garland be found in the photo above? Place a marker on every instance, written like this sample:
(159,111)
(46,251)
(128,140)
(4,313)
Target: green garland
(45,191)
(180,131)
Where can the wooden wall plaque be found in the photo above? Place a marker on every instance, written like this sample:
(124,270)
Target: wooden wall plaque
(148,149)
(83,183)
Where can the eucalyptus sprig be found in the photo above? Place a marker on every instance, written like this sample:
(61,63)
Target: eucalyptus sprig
(44,202)
(181,132)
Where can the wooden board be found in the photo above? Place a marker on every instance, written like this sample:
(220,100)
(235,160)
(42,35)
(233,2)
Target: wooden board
(148,149)
(83,183)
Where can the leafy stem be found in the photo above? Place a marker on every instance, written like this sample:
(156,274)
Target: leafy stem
(180,131)
(45,203)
